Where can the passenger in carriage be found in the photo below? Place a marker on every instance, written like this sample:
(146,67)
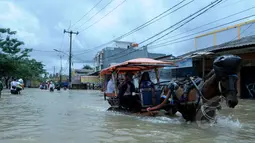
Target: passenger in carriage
(146,83)
(127,94)
(110,86)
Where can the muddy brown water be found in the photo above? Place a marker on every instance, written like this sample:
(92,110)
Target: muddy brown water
(80,116)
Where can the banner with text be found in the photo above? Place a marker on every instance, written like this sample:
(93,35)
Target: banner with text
(90,79)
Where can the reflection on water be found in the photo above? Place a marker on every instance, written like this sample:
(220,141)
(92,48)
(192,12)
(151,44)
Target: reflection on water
(80,116)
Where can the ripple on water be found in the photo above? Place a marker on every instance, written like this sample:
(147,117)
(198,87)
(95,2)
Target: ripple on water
(82,116)
(161,120)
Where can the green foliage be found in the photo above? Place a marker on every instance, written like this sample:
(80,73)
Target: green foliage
(14,61)
(87,67)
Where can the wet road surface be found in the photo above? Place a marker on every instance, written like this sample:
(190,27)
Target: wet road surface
(80,116)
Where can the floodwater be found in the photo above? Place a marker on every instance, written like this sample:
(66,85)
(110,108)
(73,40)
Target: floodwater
(80,116)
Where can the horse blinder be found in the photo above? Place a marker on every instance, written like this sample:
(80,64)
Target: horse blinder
(230,91)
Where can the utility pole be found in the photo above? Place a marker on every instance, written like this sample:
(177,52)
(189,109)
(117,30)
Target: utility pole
(60,72)
(54,71)
(70,54)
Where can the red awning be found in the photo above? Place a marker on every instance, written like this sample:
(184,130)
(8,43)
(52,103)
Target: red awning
(135,65)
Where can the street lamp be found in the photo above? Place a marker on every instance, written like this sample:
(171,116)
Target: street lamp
(60,72)
(60,51)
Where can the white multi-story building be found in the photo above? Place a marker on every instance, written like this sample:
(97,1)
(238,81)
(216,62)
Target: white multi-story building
(120,52)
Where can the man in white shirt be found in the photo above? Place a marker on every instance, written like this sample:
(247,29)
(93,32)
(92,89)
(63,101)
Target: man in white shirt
(110,86)
(13,84)
(52,86)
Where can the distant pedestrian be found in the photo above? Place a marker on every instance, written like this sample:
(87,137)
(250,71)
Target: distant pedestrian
(1,87)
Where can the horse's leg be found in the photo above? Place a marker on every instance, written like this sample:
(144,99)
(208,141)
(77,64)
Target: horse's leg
(170,109)
(188,111)
(183,110)
(110,109)
(207,115)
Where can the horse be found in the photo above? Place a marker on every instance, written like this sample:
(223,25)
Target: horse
(219,84)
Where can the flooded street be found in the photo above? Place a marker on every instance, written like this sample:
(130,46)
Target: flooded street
(80,116)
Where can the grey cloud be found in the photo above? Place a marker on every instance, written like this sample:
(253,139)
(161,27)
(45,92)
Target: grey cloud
(49,17)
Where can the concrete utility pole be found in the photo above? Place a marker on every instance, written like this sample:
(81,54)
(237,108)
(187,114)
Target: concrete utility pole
(70,54)
(54,71)
(60,72)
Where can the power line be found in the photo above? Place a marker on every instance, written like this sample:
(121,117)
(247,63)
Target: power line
(62,42)
(144,25)
(225,43)
(92,49)
(204,9)
(135,50)
(104,16)
(41,50)
(216,8)
(243,31)
(210,23)
(89,50)
(95,14)
(240,34)
(79,41)
(66,66)
(230,4)
(87,13)
(151,21)
(170,42)
(158,46)
(181,21)
(158,17)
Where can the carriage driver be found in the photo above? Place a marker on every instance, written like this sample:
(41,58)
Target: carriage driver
(173,86)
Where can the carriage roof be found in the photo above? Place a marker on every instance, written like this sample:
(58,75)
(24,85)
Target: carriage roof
(136,65)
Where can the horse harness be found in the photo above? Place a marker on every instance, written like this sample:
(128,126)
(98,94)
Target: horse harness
(198,84)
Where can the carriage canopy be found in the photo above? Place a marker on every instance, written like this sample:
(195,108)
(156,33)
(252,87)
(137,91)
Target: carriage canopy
(135,65)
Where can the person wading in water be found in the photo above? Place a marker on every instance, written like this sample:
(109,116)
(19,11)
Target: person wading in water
(1,88)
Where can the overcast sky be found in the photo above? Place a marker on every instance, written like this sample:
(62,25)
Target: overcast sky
(40,24)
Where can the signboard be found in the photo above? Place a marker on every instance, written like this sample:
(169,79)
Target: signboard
(90,79)
(185,63)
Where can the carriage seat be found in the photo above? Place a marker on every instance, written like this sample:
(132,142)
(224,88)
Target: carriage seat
(146,97)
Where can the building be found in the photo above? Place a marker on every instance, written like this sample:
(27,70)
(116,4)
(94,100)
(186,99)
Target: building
(120,52)
(123,44)
(200,62)
(76,78)
(222,41)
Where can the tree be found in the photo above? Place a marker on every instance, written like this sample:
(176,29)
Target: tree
(87,67)
(14,61)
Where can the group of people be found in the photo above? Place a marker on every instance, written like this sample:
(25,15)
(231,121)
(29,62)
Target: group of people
(131,101)
(49,85)
(126,88)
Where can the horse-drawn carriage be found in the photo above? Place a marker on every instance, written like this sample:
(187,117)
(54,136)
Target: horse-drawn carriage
(136,67)
(202,95)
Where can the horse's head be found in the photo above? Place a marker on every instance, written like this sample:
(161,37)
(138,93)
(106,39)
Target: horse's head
(226,68)
(228,89)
